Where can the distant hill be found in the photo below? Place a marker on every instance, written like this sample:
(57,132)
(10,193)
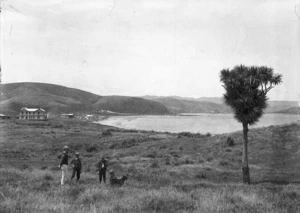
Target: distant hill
(58,99)
(182,105)
(177,104)
(276,106)
(130,105)
(294,110)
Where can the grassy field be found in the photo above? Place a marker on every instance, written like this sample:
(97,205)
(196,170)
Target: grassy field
(167,172)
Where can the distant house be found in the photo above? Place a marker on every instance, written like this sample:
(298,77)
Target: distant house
(33,114)
(4,116)
(88,117)
(67,115)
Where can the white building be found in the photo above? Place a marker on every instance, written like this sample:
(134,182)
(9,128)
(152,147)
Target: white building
(33,114)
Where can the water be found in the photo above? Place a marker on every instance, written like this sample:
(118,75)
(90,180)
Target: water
(195,123)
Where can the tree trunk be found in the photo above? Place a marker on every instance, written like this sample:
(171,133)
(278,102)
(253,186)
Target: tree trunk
(245,168)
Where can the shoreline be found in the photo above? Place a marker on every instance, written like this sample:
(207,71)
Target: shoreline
(197,123)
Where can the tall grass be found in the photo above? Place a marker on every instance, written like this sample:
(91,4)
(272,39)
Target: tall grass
(39,191)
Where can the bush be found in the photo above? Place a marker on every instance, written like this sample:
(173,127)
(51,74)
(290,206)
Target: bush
(188,161)
(154,165)
(152,154)
(48,177)
(201,175)
(44,167)
(230,141)
(25,167)
(223,163)
(106,133)
(168,201)
(91,148)
(73,192)
(54,168)
(43,187)
(192,135)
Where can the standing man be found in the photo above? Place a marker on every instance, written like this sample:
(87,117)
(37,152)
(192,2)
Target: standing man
(102,166)
(64,165)
(76,164)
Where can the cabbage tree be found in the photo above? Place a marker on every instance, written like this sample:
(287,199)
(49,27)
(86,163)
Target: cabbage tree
(246,91)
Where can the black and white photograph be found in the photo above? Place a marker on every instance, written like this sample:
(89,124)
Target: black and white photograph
(149,106)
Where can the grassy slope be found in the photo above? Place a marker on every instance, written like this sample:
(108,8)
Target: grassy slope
(294,110)
(178,104)
(166,173)
(58,99)
(190,106)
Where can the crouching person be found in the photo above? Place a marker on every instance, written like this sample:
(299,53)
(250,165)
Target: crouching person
(76,164)
(114,181)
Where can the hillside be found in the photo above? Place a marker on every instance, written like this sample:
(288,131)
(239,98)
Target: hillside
(294,110)
(58,99)
(177,104)
(130,105)
(166,173)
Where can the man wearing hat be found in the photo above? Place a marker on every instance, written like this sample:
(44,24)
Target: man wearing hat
(102,166)
(76,164)
(64,165)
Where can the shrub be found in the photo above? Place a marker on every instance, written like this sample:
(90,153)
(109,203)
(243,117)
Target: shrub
(167,159)
(44,186)
(230,141)
(54,168)
(209,159)
(208,134)
(152,154)
(201,175)
(44,167)
(48,177)
(228,150)
(106,133)
(192,135)
(25,167)
(223,163)
(168,201)
(73,192)
(91,148)
(174,154)
(201,160)
(188,161)
(57,126)
(124,144)
(154,165)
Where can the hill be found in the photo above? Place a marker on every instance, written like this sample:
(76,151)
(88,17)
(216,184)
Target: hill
(58,99)
(166,173)
(177,104)
(294,110)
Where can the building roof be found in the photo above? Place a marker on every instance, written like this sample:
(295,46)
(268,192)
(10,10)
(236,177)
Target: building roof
(32,109)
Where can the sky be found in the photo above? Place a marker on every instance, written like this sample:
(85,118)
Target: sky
(149,47)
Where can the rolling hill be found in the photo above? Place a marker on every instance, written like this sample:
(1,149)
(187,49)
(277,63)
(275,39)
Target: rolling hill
(177,104)
(58,99)
(293,110)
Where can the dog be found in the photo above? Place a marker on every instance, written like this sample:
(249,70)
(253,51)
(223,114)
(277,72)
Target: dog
(114,181)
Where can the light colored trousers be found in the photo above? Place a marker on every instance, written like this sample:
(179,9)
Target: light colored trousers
(64,169)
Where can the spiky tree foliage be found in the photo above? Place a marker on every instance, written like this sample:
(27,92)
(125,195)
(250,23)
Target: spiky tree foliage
(246,93)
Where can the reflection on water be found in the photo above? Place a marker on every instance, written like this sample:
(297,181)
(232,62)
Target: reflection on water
(196,123)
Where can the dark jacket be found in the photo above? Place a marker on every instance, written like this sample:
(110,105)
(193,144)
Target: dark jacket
(102,164)
(64,160)
(76,163)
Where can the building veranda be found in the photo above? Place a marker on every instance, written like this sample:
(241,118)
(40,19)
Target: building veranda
(33,114)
